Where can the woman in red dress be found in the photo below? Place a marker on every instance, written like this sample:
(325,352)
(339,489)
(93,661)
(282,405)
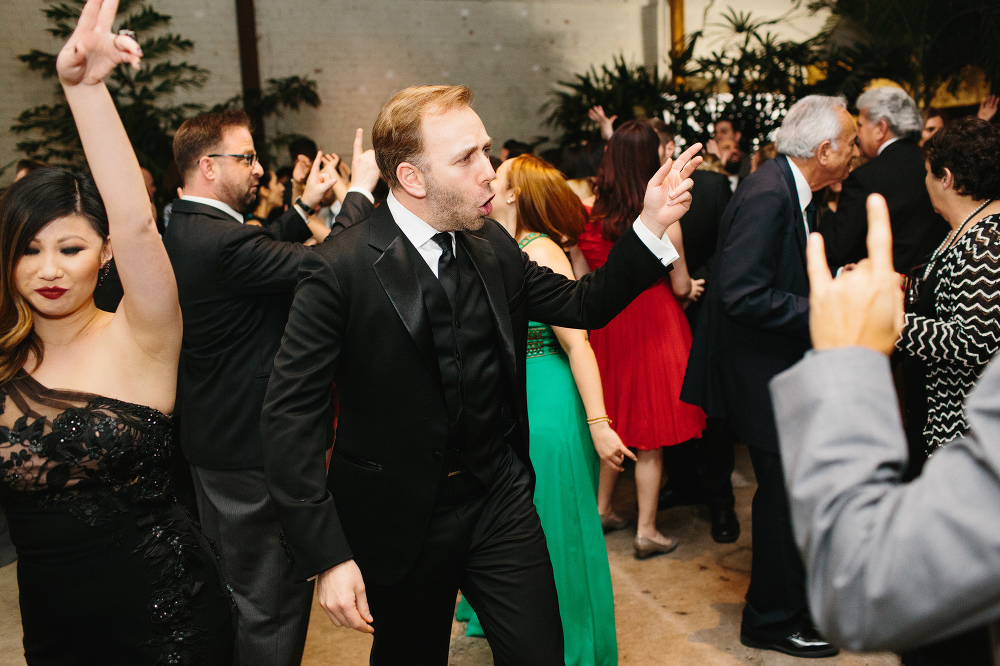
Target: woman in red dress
(643,352)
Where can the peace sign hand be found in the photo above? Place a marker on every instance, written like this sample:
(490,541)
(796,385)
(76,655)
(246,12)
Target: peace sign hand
(668,194)
(93,50)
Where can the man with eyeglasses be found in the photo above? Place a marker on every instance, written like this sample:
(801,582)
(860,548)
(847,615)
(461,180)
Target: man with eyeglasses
(235,284)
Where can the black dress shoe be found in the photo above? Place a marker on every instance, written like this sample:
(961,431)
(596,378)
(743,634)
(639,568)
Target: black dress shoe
(805,643)
(725,526)
(670,498)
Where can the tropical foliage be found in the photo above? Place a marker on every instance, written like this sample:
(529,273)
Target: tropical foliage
(751,78)
(146,99)
(922,44)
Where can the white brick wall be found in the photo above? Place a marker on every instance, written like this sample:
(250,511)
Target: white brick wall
(362,51)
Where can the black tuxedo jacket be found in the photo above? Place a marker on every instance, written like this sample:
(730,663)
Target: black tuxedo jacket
(898,175)
(235,284)
(359,320)
(755,322)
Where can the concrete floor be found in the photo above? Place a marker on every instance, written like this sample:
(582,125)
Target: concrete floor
(679,609)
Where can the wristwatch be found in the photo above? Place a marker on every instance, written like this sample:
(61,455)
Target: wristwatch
(308,210)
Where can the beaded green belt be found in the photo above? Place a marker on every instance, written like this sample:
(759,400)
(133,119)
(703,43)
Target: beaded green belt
(542,341)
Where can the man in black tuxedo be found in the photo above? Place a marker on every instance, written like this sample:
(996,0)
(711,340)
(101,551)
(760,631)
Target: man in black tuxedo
(755,324)
(419,316)
(888,131)
(235,284)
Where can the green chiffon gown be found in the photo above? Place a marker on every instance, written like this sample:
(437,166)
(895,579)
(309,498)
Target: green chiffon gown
(566,466)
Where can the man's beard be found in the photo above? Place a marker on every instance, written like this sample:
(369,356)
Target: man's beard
(241,198)
(448,209)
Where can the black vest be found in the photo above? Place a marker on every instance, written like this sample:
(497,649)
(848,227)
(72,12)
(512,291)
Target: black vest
(466,345)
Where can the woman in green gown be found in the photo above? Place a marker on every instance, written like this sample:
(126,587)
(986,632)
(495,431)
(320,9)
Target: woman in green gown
(570,431)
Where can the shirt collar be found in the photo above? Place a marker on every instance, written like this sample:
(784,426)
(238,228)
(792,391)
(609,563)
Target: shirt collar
(215,203)
(801,185)
(887,143)
(416,230)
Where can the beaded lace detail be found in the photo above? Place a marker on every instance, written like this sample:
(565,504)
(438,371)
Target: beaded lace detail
(98,458)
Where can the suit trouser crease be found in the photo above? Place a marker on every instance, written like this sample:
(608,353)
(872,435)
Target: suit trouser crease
(492,548)
(237,513)
(776,599)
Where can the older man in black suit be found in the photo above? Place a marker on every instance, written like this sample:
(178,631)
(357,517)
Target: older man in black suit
(235,284)
(755,324)
(420,317)
(888,132)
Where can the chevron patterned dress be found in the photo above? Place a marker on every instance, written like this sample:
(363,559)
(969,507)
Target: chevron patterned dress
(957,344)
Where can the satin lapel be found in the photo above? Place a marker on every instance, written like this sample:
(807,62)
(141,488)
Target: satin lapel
(799,221)
(396,272)
(489,270)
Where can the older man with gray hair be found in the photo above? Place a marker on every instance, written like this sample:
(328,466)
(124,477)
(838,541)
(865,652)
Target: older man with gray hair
(889,128)
(754,325)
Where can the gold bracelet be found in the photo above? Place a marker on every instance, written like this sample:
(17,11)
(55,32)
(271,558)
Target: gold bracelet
(598,419)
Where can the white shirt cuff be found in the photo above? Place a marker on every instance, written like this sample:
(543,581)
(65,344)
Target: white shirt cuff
(362,191)
(662,248)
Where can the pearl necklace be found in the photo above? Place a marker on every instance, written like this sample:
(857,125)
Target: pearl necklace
(952,239)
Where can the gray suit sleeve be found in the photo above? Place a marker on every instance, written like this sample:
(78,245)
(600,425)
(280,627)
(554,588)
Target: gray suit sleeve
(889,565)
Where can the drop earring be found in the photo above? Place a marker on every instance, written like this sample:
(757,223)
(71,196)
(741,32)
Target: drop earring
(103,273)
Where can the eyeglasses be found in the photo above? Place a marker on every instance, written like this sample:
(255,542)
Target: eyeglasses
(249,159)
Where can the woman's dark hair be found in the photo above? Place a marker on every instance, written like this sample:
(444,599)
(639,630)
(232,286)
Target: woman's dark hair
(25,208)
(630,160)
(969,148)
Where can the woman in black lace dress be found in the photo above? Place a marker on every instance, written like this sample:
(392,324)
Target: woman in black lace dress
(110,569)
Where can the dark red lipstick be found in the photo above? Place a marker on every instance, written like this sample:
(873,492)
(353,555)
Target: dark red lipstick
(51,293)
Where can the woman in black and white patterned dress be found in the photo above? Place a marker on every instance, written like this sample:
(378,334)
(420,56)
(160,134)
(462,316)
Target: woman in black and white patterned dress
(952,326)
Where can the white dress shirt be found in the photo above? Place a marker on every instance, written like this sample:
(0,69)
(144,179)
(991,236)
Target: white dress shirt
(887,144)
(421,235)
(215,203)
(802,189)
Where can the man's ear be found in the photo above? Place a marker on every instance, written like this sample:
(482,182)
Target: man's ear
(737,137)
(208,168)
(823,152)
(411,179)
(883,129)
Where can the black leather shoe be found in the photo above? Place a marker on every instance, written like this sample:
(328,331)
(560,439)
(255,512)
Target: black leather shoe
(725,526)
(805,643)
(670,498)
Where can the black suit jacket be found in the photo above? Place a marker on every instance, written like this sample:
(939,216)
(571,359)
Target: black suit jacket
(898,175)
(235,284)
(358,320)
(755,322)
(700,225)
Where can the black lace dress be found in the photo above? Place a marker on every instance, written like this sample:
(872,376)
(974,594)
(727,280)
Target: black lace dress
(110,568)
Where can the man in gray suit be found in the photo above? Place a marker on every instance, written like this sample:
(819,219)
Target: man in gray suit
(890,565)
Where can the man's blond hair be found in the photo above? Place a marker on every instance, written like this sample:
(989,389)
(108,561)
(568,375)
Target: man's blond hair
(396,135)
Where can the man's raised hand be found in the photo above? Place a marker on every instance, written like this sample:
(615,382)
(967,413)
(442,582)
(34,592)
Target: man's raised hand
(364,168)
(668,195)
(862,307)
(93,50)
(341,593)
(318,183)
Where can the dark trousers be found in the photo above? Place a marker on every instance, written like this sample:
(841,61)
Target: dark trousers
(776,600)
(7,553)
(703,467)
(488,543)
(237,513)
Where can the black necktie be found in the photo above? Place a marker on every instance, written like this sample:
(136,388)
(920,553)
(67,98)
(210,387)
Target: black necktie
(447,266)
(811,215)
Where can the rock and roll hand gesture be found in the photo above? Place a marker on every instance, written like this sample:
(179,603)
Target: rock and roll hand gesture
(862,307)
(93,50)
